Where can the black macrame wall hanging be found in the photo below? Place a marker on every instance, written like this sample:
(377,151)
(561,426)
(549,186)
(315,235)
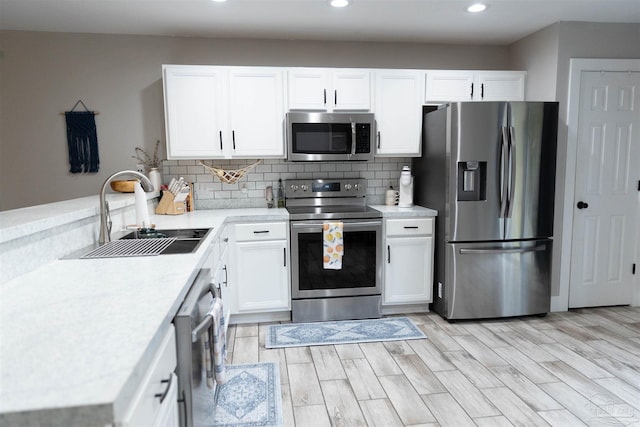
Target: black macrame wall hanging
(82,140)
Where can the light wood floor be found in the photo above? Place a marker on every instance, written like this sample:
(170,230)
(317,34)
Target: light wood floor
(567,369)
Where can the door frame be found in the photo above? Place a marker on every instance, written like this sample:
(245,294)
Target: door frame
(576,67)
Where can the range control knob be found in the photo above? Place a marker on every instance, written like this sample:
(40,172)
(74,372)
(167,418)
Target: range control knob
(293,187)
(356,187)
(304,187)
(347,187)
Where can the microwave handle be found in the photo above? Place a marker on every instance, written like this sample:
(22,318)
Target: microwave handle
(353,138)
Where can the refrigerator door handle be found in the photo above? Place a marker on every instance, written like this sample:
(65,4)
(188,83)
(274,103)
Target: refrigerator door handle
(512,168)
(504,167)
(504,251)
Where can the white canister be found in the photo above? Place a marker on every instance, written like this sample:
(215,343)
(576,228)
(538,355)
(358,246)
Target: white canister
(155,178)
(391,197)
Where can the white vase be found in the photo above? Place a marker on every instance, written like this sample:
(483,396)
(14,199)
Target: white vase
(155,178)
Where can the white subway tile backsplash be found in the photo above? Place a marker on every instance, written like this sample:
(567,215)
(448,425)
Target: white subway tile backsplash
(210,193)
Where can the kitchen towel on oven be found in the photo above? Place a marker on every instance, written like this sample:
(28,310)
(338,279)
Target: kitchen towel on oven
(333,245)
(215,344)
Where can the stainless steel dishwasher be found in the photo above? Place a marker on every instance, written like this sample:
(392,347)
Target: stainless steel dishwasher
(194,397)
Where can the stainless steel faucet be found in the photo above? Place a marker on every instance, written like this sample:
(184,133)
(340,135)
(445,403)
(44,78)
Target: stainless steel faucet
(105,216)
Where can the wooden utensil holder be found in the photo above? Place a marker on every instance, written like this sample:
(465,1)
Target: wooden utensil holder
(168,206)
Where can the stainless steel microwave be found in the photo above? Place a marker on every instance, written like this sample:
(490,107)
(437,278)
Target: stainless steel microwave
(313,136)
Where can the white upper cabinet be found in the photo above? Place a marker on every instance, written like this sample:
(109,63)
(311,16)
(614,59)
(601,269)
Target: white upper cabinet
(398,110)
(223,112)
(453,85)
(194,111)
(256,109)
(324,89)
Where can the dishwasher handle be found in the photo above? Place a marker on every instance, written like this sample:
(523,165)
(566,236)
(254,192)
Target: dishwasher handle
(202,326)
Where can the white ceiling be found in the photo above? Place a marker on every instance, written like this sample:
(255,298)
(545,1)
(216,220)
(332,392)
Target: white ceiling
(433,21)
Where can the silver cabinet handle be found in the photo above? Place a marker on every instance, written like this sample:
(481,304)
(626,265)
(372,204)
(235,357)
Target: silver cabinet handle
(388,254)
(285,256)
(325,97)
(163,395)
(260,231)
(503,250)
(221,140)
(378,139)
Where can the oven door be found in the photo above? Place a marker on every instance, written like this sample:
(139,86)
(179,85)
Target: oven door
(361,272)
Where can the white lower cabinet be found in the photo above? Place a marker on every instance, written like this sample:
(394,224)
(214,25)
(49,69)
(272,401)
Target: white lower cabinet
(155,403)
(259,268)
(408,261)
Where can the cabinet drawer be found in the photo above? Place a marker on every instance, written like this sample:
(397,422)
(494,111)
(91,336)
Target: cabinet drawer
(409,227)
(261,231)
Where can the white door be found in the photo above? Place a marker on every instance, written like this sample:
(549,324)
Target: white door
(262,277)
(409,270)
(256,106)
(606,190)
(398,111)
(193,111)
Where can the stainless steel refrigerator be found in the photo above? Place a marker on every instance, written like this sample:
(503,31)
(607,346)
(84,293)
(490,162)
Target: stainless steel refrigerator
(489,170)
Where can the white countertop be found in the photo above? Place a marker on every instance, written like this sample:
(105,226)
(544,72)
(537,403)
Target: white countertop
(78,334)
(395,211)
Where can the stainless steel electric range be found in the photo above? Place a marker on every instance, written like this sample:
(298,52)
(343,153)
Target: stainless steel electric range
(353,291)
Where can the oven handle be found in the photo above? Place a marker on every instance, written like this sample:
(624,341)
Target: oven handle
(347,225)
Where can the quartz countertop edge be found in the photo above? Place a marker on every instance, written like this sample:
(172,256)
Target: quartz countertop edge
(398,212)
(21,222)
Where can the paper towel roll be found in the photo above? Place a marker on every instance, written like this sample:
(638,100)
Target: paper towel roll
(142,210)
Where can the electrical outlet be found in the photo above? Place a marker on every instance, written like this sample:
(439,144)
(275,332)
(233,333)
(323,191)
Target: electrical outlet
(140,167)
(243,187)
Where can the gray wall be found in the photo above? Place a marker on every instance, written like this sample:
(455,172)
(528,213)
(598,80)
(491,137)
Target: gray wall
(44,74)
(538,55)
(555,46)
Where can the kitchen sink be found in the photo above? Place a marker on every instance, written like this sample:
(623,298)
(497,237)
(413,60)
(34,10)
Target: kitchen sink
(149,242)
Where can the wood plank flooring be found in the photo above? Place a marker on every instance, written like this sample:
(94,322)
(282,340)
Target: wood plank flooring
(574,368)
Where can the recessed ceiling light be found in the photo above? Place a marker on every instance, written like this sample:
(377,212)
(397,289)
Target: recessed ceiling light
(339,3)
(219,1)
(476,7)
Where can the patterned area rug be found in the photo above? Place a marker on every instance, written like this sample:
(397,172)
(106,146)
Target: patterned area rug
(250,397)
(342,332)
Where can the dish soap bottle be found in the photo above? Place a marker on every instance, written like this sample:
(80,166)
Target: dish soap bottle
(280,194)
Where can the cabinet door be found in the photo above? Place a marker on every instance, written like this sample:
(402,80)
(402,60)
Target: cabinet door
(449,86)
(408,270)
(351,90)
(261,278)
(307,89)
(398,95)
(501,85)
(256,110)
(193,105)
